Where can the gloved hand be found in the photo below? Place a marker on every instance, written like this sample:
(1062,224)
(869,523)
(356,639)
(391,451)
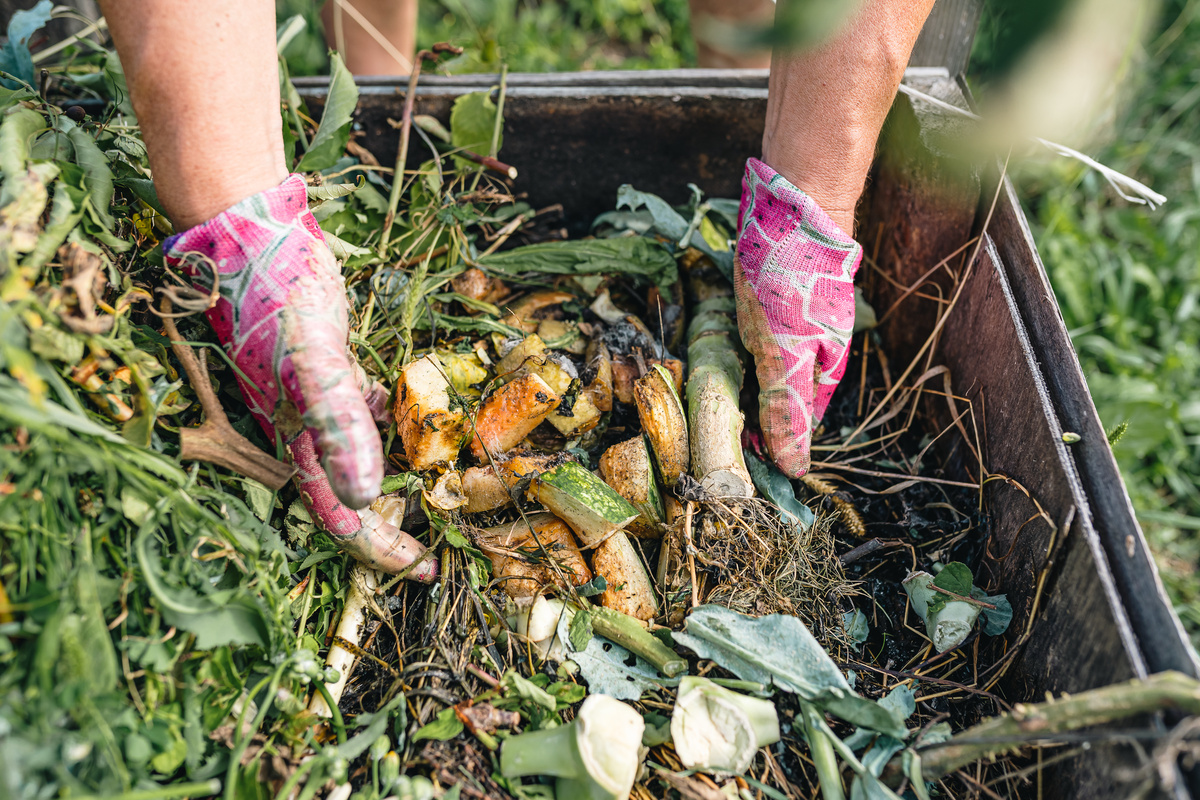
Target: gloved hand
(794,279)
(283,317)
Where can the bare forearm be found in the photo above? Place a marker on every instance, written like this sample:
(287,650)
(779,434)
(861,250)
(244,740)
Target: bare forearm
(204,82)
(827,105)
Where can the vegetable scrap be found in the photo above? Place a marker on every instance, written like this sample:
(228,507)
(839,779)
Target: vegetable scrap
(631,601)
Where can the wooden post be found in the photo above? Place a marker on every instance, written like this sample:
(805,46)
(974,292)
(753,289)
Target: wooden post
(946,39)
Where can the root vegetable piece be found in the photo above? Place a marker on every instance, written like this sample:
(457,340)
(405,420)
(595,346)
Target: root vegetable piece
(629,590)
(363,580)
(487,487)
(432,432)
(575,413)
(522,566)
(510,413)
(600,390)
(531,345)
(626,373)
(589,505)
(528,312)
(663,422)
(475,284)
(604,308)
(626,468)
(714,383)
(447,492)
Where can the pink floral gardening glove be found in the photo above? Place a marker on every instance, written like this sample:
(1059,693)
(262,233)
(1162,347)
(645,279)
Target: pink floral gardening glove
(283,317)
(794,279)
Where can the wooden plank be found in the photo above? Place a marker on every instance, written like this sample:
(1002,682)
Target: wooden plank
(1161,636)
(946,39)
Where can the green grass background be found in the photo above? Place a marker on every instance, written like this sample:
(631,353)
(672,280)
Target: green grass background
(1128,279)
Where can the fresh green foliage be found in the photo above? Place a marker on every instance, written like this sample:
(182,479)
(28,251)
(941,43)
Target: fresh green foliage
(1128,282)
(329,142)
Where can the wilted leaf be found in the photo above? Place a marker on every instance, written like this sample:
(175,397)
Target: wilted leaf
(611,669)
(97,172)
(856,626)
(776,487)
(632,255)
(780,650)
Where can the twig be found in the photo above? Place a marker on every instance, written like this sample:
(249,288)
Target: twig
(691,550)
(215,441)
(1027,723)
(963,598)
(410,98)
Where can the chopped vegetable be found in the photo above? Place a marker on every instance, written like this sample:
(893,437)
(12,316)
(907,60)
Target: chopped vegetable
(629,588)
(510,413)
(626,468)
(488,487)
(595,757)
(714,382)
(522,553)
(663,422)
(718,729)
(431,430)
(592,509)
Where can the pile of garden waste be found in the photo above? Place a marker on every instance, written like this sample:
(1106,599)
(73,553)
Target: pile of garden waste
(630,600)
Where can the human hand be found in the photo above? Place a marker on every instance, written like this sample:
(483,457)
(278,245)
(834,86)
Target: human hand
(282,315)
(794,279)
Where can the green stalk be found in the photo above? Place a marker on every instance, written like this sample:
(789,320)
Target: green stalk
(294,779)
(824,759)
(553,752)
(197,789)
(339,726)
(625,631)
(235,757)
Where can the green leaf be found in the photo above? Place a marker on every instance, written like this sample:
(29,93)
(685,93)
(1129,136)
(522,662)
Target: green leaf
(997,620)
(595,586)
(527,690)
(15,58)
(472,120)
(18,128)
(856,626)
(580,632)
(955,577)
(55,344)
(97,173)
(776,487)
(329,142)
(454,537)
(446,725)
(780,650)
(630,255)
(240,619)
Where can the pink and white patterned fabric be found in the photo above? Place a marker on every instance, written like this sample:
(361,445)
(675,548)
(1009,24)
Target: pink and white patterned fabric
(794,279)
(283,317)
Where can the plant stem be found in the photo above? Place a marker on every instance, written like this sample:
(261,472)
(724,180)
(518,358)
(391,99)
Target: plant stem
(625,631)
(335,713)
(294,779)
(824,759)
(410,98)
(197,789)
(1028,723)
(241,742)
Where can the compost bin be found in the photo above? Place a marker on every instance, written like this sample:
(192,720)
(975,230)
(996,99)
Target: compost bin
(1089,607)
